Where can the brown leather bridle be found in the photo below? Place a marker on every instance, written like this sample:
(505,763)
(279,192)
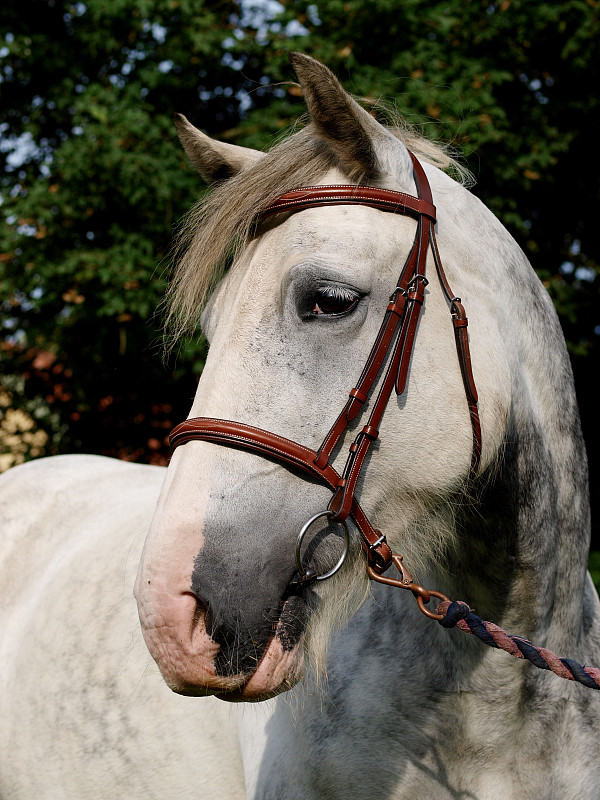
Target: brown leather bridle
(396,337)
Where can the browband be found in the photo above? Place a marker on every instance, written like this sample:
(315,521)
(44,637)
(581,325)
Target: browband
(382,199)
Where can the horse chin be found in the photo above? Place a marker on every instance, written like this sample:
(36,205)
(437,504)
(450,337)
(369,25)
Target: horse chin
(282,662)
(278,671)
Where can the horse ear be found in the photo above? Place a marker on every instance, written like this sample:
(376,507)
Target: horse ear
(349,130)
(215,161)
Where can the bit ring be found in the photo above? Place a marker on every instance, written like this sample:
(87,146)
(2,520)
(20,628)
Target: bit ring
(302,534)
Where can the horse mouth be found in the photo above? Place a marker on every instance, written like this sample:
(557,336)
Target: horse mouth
(237,667)
(280,666)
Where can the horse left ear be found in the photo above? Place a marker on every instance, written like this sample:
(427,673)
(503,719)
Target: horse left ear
(348,128)
(214,160)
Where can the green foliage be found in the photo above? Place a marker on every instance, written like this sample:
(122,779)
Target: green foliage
(92,179)
(92,182)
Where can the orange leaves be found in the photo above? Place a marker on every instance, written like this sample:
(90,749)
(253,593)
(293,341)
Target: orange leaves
(73,296)
(43,360)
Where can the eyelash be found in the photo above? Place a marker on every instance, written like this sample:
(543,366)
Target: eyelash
(329,298)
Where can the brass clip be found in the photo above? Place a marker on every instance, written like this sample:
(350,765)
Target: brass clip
(406,581)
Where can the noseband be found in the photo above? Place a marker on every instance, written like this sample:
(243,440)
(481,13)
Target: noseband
(394,343)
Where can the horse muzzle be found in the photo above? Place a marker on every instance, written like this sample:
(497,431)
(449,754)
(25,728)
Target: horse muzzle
(198,653)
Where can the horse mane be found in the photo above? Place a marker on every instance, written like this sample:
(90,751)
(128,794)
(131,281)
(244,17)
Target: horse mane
(219,226)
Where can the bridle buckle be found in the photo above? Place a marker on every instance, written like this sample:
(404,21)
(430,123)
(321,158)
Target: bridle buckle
(415,279)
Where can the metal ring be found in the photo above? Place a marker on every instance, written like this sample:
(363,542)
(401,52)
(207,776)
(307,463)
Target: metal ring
(302,534)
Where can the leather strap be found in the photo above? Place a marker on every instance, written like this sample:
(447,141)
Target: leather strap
(398,329)
(391,321)
(278,448)
(460,322)
(383,199)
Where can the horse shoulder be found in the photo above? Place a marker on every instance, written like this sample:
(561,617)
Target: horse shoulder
(78,690)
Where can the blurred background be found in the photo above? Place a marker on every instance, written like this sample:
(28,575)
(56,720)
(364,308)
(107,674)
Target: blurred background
(93,182)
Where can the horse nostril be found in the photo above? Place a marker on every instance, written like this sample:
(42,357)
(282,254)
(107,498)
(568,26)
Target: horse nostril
(200,612)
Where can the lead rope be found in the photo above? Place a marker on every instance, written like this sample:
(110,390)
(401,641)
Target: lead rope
(457,614)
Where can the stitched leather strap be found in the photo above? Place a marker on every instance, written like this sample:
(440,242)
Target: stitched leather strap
(383,199)
(271,445)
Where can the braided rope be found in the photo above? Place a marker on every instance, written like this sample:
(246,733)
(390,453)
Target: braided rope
(458,614)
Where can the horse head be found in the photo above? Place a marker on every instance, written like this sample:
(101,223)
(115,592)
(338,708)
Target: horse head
(290,324)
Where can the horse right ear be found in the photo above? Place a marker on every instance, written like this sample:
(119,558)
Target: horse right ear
(215,161)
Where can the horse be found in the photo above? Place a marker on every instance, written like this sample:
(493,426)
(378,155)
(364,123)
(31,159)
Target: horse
(335,687)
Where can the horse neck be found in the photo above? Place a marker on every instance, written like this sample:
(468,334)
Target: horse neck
(524,530)
(518,559)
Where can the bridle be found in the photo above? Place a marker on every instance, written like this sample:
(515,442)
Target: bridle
(394,343)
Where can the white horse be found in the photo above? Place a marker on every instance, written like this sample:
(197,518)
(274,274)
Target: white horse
(386,703)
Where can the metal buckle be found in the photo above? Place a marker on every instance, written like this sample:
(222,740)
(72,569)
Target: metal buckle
(379,541)
(453,303)
(418,277)
(421,594)
(299,566)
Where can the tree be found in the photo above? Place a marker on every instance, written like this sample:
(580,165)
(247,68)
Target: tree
(92,182)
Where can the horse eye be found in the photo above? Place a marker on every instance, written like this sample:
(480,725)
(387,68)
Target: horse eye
(334,301)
